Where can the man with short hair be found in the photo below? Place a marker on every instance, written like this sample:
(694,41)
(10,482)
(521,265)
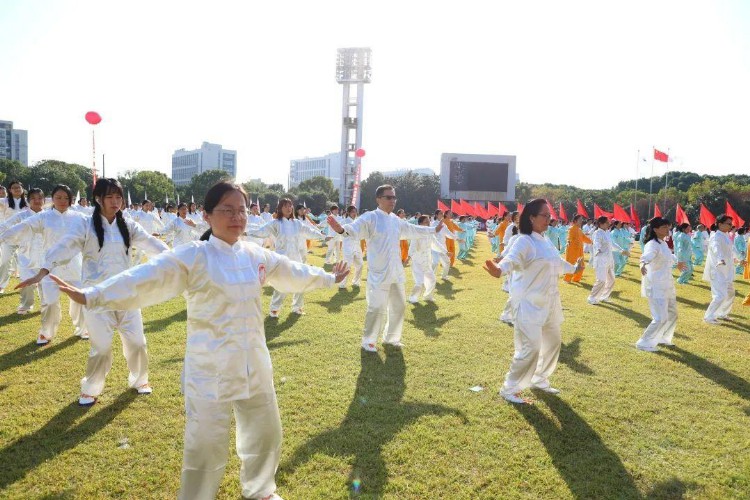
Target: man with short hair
(386,295)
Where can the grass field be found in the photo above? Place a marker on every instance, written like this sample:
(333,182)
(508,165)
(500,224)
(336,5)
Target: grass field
(404,425)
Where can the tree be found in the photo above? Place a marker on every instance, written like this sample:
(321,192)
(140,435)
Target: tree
(201,183)
(156,185)
(317,184)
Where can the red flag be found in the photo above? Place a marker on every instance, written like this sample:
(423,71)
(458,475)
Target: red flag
(598,212)
(479,210)
(501,209)
(491,210)
(442,206)
(680,216)
(706,217)
(738,221)
(466,208)
(660,156)
(581,209)
(553,215)
(657,212)
(620,213)
(519,207)
(634,218)
(456,208)
(562,214)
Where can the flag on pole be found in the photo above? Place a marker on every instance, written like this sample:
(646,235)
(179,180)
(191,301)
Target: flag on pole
(636,221)
(442,206)
(78,196)
(706,217)
(657,211)
(553,215)
(562,214)
(598,212)
(620,213)
(166,199)
(304,203)
(466,207)
(581,210)
(680,216)
(660,155)
(501,209)
(129,202)
(737,220)
(145,195)
(178,198)
(492,210)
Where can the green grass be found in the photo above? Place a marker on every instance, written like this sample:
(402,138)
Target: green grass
(628,424)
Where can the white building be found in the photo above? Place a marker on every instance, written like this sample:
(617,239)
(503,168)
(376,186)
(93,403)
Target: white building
(404,171)
(323,166)
(188,164)
(14,143)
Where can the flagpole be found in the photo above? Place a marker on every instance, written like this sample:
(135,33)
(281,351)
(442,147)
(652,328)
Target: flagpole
(651,186)
(637,161)
(666,183)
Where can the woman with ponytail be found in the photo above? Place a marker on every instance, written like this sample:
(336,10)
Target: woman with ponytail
(51,226)
(290,235)
(719,271)
(183,228)
(227,365)
(105,240)
(10,206)
(657,286)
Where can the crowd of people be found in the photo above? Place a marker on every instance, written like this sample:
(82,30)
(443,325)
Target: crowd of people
(113,260)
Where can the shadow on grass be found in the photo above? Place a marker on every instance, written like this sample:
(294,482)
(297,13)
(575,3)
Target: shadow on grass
(671,489)
(736,325)
(426,320)
(692,303)
(588,466)
(444,288)
(709,370)
(342,297)
(60,434)
(158,325)
(273,327)
(286,343)
(639,318)
(375,416)
(29,353)
(568,354)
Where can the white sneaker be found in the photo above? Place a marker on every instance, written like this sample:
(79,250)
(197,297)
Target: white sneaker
(591,301)
(647,349)
(514,398)
(144,389)
(299,312)
(272,496)
(273,314)
(86,400)
(42,340)
(370,347)
(548,389)
(22,310)
(396,345)
(429,299)
(84,335)
(711,321)
(412,300)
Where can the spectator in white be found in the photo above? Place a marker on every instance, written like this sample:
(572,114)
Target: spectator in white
(537,310)
(420,253)
(10,206)
(440,255)
(603,261)
(658,286)
(386,295)
(254,221)
(719,271)
(352,250)
(333,254)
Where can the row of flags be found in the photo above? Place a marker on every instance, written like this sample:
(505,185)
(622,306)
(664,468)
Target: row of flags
(477,209)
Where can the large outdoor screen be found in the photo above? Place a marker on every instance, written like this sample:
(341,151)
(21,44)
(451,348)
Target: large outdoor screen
(478,176)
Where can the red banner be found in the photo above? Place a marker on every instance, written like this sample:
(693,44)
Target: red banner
(581,210)
(562,214)
(706,217)
(620,213)
(636,221)
(680,216)
(738,221)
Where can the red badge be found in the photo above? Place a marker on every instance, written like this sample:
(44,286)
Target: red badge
(262,274)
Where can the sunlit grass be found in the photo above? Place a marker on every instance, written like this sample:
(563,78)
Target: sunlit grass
(628,424)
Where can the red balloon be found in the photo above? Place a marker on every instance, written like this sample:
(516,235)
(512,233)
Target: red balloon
(93,117)
(359,153)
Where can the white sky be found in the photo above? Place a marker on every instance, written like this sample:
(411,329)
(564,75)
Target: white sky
(573,88)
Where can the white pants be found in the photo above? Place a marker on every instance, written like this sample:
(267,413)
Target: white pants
(27,294)
(424,279)
(604,283)
(722,296)
(537,348)
(443,259)
(355,262)
(8,253)
(661,329)
(277,300)
(333,254)
(101,327)
(258,437)
(386,305)
(49,294)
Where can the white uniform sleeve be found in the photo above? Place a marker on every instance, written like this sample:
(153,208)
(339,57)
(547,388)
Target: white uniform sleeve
(144,241)
(17,228)
(411,231)
(67,247)
(287,276)
(269,229)
(518,255)
(360,229)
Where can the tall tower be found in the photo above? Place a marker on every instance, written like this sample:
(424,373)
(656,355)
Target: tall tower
(352,71)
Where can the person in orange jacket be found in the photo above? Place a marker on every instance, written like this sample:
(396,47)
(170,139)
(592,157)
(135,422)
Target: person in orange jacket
(500,231)
(574,250)
(450,245)
(746,302)
(404,243)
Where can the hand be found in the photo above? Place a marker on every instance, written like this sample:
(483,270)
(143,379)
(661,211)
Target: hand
(439,227)
(75,294)
(497,260)
(580,265)
(334,224)
(492,269)
(340,271)
(682,266)
(189,222)
(33,280)
(643,270)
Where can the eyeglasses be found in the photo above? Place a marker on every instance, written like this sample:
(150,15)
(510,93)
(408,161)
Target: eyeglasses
(230,213)
(546,216)
(389,197)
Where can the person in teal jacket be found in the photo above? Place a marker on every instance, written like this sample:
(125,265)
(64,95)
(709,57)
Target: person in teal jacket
(642,236)
(740,249)
(683,250)
(700,241)
(620,238)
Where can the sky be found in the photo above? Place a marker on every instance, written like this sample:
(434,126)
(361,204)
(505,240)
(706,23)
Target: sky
(574,89)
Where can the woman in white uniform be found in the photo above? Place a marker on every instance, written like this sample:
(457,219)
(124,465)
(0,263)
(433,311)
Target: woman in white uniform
(537,310)
(603,262)
(719,271)
(10,206)
(227,364)
(420,254)
(181,229)
(105,241)
(352,250)
(658,286)
(290,235)
(52,225)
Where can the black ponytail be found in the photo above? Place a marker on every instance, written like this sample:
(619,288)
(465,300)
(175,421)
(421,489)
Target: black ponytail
(654,223)
(123,227)
(205,236)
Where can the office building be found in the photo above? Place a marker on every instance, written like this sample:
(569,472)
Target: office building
(188,164)
(14,143)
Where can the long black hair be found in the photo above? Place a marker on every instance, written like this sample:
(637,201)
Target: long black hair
(65,189)
(532,208)
(654,223)
(214,197)
(12,201)
(103,187)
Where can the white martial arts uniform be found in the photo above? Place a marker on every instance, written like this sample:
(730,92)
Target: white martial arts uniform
(151,222)
(181,232)
(507,315)
(420,252)
(333,253)
(537,310)
(227,364)
(53,225)
(658,286)
(440,254)
(7,250)
(290,236)
(352,250)
(98,265)
(29,256)
(603,263)
(253,222)
(386,296)
(721,276)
